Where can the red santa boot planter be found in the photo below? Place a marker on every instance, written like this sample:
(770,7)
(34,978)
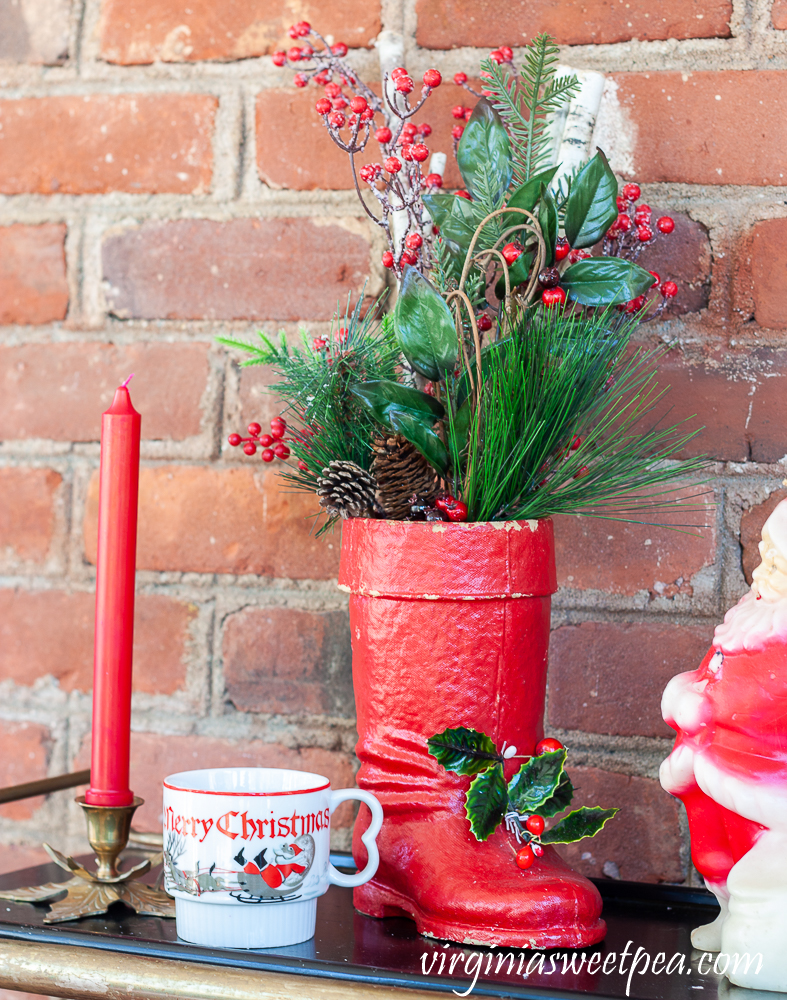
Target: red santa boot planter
(450,627)
(729,766)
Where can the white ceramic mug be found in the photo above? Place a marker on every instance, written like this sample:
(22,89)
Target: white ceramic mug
(246,853)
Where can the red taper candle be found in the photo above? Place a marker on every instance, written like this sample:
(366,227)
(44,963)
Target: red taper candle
(116,566)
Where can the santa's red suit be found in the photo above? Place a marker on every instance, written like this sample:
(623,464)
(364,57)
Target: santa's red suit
(729,767)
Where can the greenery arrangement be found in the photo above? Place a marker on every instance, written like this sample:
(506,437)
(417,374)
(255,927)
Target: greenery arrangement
(503,385)
(539,790)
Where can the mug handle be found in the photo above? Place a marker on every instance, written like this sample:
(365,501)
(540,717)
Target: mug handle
(369,838)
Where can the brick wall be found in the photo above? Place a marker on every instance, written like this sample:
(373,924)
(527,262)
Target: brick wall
(161,183)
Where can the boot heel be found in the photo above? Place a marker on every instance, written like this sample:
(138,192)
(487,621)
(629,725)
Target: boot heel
(375,901)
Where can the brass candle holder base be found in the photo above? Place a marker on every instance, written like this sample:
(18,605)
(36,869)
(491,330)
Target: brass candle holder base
(89,894)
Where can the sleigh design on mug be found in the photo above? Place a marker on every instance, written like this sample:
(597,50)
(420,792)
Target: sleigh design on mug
(276,873)
(729,767)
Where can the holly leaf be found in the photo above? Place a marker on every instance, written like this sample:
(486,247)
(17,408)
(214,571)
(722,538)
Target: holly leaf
(526,196)
(425,327)
(486,802)
(547,220)
(381,396)
(561,800)
(536,781)
(591,206)
(420,434)
(584,822)
(484,154)
(600,281)
(463,750)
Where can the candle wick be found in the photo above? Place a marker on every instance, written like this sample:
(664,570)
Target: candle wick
(125,384)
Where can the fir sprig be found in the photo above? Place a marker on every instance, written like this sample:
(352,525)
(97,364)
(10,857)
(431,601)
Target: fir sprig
(527,103)
(326,421)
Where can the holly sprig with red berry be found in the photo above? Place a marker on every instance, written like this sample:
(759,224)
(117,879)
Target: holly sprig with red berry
(538,791)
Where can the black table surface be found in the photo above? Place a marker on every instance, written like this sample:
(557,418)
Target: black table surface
(655,920)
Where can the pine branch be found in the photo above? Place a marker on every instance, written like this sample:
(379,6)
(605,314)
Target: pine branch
(547,385)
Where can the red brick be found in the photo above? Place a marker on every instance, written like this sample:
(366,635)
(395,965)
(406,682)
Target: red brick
(294,150)
(683,256)
(704,128)
(449,24)
(153,757)
(33,286)
(23,757)
(609,678)
(281,269)
(195,519)
(751,531)
(769,273)
(150,31)
(257,402)
(59,391)
(51,632)
(643,840)
(136,143)
(35,33)
(779,14)
(625,558)
(278,660)
(27,514)
(738,397)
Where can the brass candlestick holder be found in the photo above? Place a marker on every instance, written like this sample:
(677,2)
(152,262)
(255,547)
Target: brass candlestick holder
(88,894)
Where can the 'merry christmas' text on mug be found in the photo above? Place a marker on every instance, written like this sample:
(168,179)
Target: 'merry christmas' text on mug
(256,841)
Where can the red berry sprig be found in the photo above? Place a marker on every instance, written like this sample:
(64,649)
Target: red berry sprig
(348,109)
(273,446)
(628,236)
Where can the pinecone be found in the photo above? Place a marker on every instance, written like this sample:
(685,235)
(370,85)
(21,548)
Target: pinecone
(347,490)
(401,471)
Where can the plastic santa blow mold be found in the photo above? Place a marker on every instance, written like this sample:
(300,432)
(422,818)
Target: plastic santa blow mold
(450,627)
(729,766)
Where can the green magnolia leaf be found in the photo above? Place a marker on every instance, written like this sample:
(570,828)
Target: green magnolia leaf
(459,224)
(420,434)
(484,154)
(591,207)
(486,802)
(584,822)
(425,327)
(517,274)
(465,751)
(380,396)
(547,220)
(438,204)
(600,281)
(561,800)
(526,196)
(536,781)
